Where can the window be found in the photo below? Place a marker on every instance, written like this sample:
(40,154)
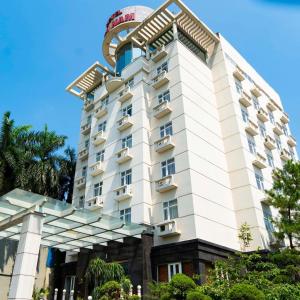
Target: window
(174,268)
(245,114)
(268,218)
(238,86)
(127,142)
(251,144)
(69,285)
(126,177)
(90,97)
(129,82)
(165,96)
(89,119)
(127,111)
(259,179)
(262,129)
(270,159)
(168,167)
(84,171)
(81,201)
(292,152)
(271,117)
(100,155)
(98,189)
(125,215)
(285,130)
(102,126)
(166,130)
(255,102)
(170,210)
(163,67)
(104,102)
(87,143)
(278,142)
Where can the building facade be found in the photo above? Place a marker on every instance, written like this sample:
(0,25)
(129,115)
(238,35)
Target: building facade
(181,134)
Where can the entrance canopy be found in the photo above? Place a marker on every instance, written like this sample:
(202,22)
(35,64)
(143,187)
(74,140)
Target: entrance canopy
(64,226)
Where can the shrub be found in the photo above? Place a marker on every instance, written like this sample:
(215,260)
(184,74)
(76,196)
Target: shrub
(197,295)
(111,289)
(134,297)
(180,284)
(242,291)
(284,292)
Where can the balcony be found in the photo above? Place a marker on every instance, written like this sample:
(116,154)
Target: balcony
(124,123)
(164,144)
(88,104)
(94,203)
(260,161)
(262,115)
(285,155)
(256,91)
(245,99)
(113,83)
(99,138)
(80,183)
(269,142)
(162,109)
(159,54)
(97,169)
(238,74)
(271,105)
(100,111)
(125,94)
(123,193)
(160,80)
(251,128)
(86,129)
(278,129)
(123,155)
(83,154)
(167,228)
(291,141)
(165,184)
(285,118)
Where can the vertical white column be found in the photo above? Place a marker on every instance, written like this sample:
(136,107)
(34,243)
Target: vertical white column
(22,282)
(175,31)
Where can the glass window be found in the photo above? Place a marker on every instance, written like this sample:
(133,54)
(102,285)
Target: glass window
(100,155)
(81,201)
(262,129)
(168,167)
(165,96)
(129,82)
(270,159)
(170,210)
(104,102)
(125,215)
(89,119)
(127,142)
(173,269)
(271,117)
(162,67)
(238,86)
(251,144)
(166,130)
(278,142)
(90,97)
(268,218)
(285,130)
(102,126)
(98,189)
(127,111)
(84,171)
(245,114)
(292,152)
(259,179)
(126,177)
(255,102)
(87,143)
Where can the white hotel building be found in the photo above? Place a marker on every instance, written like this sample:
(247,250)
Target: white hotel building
(178,132)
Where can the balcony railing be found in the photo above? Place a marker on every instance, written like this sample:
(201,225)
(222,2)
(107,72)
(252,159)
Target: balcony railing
(167,228)
(99,138)
(113,83)
(124,123)
(165,184)
(94,203)
(125,94)
(256,91)
(245,99)
(251,128)
(238,74)
(291,141)
(162,109)
(159,54)
(278,128)
(88,104)
(80,183)
(97,168)
(160,80)
(164,144)
(260,161)
(86,129)
(271,105)
(83,154)
(123,155)
(262,115)
(285,118)
(285,154)
(100,111)
(123,192)
(270,142)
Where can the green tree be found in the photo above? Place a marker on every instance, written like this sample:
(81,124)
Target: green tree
(285,196)
(245,236)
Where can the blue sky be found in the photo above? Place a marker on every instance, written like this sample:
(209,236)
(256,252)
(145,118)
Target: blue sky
(45,44)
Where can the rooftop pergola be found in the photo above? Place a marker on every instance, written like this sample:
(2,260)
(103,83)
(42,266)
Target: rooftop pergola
(36,220)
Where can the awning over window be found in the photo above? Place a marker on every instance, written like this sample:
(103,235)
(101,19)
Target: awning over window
(64,226)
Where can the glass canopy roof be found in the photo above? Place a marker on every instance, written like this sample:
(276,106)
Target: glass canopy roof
(64,226)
